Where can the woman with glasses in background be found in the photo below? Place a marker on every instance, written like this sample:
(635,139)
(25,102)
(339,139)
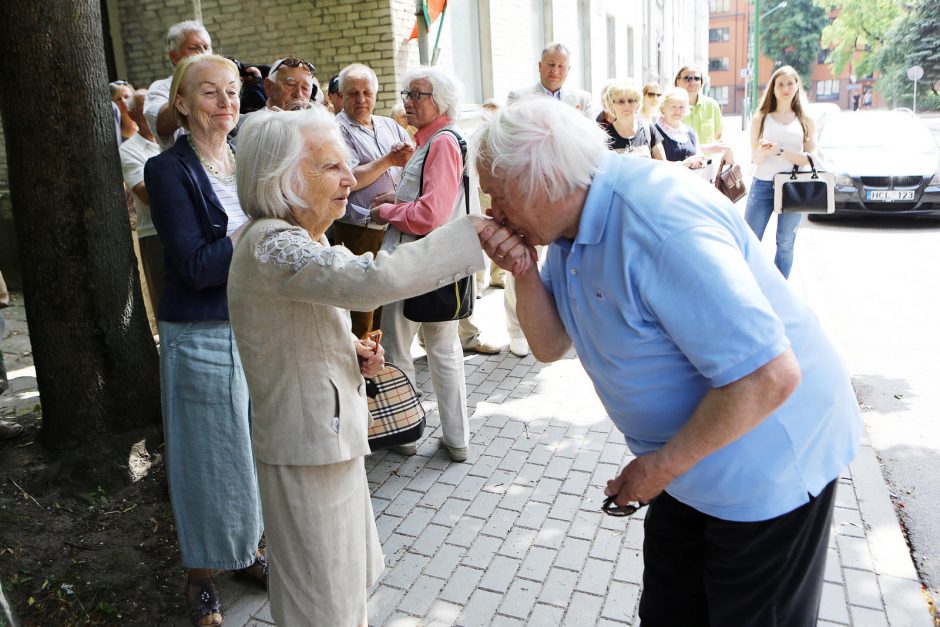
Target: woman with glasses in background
(704,115)
(652,98)
(431,194)
(628,132)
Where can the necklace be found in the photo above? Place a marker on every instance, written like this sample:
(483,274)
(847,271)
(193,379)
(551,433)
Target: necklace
(224,179)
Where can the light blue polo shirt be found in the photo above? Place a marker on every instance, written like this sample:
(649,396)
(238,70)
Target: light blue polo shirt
(666,294)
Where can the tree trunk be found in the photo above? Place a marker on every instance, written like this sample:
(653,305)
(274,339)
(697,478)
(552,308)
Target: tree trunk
(96,363)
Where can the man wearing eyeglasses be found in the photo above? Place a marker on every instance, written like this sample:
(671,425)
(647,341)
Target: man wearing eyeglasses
(184,39)
(290,84)
(704,113)
(378,148)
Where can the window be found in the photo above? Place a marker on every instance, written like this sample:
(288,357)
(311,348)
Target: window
(465,27)
(720,93)
(611,46)
(719,6)
(823,56)
(719,34)
(717,63)
(630,43)
(827,90)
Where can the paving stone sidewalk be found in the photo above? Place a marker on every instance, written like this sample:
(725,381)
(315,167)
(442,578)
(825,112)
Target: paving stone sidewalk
(515,535)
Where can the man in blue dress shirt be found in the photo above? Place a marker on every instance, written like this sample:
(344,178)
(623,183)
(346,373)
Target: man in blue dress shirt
(735,403)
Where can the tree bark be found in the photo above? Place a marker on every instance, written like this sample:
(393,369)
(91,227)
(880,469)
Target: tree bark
(96,363)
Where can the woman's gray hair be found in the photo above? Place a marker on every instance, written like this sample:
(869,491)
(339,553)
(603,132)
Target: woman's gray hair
(358,70)
(547,147)
(271,148)
(177,32)
(445,89)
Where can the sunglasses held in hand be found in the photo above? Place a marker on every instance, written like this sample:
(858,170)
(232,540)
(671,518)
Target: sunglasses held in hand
(612,509)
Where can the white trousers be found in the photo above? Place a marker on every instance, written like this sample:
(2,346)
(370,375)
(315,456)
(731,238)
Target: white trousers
(445,361)
(509,301)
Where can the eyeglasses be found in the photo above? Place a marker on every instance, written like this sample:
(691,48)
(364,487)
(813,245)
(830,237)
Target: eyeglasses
(654,94)
(692,79)
(620,511)
(414,96)
(623,101)
(294,62)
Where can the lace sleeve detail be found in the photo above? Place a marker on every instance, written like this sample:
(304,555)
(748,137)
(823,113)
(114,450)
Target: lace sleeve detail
(293,249)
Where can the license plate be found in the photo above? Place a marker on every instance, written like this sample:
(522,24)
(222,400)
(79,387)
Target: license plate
(891,195)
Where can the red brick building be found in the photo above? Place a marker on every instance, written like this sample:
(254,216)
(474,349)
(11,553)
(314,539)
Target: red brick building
(729,47)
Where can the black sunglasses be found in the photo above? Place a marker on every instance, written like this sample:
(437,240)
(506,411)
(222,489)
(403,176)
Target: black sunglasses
(692,79)
(294,62)
(612,509)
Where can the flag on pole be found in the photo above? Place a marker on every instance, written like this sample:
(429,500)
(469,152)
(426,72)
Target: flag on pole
(432,10)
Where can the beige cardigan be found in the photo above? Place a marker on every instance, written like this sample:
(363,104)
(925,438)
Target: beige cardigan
(289,301)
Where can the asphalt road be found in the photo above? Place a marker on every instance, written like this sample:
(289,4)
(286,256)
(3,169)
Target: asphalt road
(876,285)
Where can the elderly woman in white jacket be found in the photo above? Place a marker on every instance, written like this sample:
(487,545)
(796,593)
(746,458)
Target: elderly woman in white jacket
(290,294)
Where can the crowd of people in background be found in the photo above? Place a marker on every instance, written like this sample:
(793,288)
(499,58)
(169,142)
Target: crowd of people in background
(278,224)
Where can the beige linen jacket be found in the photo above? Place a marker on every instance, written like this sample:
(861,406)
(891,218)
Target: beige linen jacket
(289,301)
(577,98)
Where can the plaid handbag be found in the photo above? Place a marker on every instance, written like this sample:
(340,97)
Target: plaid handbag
(397,414)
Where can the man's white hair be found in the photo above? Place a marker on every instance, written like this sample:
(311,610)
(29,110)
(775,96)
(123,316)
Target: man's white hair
(548,148)
(445,89)
(177,32)
(358,70)
(271,148)
(277,65)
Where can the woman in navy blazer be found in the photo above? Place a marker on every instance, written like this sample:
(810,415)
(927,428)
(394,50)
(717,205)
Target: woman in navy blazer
(195,208)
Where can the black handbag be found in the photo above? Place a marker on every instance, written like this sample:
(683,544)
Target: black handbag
(454,300)
(804,192)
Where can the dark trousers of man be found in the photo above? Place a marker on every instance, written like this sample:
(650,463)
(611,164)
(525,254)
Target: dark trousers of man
(360,240)
(700,570)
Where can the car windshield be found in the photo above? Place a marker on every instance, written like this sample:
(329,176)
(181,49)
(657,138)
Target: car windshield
(890,130)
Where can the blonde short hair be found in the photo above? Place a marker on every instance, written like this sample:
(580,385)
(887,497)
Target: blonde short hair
(675,94)
(180,74)
(619,88)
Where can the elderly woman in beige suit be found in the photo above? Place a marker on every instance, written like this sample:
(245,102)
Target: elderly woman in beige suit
(290,294)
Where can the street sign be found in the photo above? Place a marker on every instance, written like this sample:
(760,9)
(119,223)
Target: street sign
(915,73)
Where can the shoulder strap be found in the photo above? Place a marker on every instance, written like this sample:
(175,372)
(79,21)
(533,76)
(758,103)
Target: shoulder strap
(463,158)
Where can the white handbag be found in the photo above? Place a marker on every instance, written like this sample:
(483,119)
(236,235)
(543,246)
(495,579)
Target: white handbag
(804,192)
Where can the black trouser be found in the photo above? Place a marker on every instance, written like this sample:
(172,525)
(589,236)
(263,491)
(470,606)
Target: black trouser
(700,570)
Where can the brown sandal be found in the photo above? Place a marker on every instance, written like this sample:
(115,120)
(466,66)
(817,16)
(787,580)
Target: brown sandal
(258,571)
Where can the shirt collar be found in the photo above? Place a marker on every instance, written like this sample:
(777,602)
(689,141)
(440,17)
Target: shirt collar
(549,92)
(597,204)
(351,122)
(423,135)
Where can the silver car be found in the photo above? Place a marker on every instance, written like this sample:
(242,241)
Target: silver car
(885,163)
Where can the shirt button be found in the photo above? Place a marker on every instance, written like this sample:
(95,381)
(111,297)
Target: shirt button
(574,271)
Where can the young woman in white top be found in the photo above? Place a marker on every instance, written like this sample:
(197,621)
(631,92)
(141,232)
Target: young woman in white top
(781,136)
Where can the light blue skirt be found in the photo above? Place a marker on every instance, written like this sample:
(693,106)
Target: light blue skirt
(207,426)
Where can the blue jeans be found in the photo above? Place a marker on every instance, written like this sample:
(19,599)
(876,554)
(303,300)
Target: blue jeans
(760,204)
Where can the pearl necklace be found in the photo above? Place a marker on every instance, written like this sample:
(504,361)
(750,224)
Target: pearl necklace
(224,179)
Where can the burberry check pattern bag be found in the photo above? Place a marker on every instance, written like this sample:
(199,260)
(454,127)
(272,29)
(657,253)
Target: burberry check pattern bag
(397,414)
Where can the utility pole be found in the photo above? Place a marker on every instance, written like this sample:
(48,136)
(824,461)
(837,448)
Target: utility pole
(423,26)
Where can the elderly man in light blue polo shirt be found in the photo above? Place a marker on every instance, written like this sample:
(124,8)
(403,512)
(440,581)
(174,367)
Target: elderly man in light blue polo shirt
(736,405)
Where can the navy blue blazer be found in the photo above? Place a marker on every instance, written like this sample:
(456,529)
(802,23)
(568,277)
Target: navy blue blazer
(191,224)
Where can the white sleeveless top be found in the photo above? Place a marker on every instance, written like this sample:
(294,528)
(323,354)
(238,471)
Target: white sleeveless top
(789,136)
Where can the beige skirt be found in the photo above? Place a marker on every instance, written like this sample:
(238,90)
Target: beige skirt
(323,547)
